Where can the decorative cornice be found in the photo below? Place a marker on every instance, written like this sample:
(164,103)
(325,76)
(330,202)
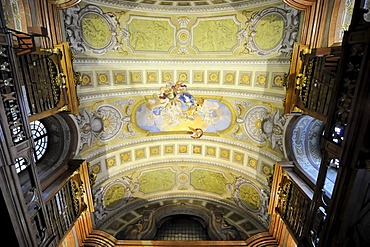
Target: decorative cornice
(117,61)
(225,92)
(224,7)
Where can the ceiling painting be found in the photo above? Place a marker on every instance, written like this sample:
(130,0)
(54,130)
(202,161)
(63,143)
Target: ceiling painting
(150,34)
(215,35)
(175,109)
(116,120)
(156,181)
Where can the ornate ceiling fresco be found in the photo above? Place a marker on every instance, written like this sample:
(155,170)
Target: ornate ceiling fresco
(181,109)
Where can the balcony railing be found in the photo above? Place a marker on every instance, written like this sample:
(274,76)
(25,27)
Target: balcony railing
(64,202)
(312,79)
(47,86)
(291,199)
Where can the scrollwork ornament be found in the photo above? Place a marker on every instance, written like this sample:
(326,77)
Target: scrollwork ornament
(281,23)
(89,29)
(284,193)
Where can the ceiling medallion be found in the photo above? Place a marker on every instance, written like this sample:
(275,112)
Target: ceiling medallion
(183,36)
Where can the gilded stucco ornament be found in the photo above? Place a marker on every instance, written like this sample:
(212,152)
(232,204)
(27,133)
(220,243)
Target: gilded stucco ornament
(125,107)
(90,126)
(273,128)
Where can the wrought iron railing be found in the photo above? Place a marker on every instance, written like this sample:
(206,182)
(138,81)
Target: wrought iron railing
(293,205)
(316,83)
(311,86)
(40,85)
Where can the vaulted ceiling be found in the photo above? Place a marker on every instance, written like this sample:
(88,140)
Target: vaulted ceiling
(152,71)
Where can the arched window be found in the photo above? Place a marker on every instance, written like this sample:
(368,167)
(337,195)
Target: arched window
(306,146)
(55,144)
(306,153)
(40,138)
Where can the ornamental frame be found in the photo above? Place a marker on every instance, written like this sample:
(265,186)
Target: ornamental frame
(73,20)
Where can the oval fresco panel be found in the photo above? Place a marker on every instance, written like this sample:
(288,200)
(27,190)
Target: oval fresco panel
(114,195)
(95,30)
(269,31)
(249,196)
(178,110)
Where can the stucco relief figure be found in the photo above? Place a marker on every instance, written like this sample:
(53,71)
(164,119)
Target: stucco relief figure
(131,232)
(223,230)
(229,232)
(91,126)
(273,128)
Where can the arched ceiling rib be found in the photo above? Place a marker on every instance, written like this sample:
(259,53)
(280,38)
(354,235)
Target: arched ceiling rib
(135,134)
